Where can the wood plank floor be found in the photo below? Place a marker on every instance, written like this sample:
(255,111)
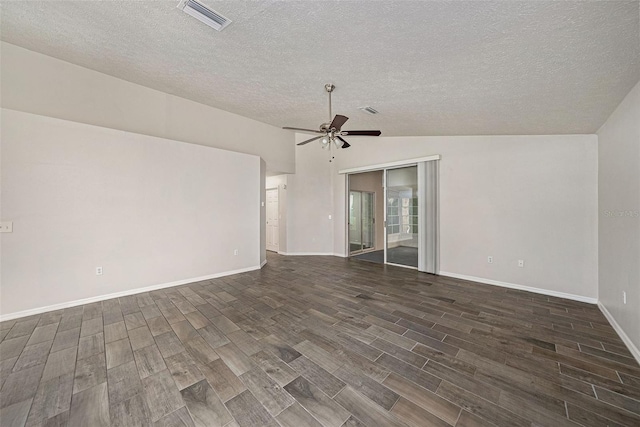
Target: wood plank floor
(319,341)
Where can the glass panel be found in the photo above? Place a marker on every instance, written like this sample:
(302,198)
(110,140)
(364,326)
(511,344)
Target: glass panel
(402,216)
(368,230)
(355,221)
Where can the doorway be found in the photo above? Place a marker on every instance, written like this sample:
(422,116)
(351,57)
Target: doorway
(273,220)
(408,214)
(365,215)
(361,221)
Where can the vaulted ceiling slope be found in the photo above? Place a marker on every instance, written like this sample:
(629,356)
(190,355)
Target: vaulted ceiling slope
(430,68)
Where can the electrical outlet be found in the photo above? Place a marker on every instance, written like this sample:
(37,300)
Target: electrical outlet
(490,259)
(329,216)
(98,271)
(624,297)
(520,263)
(6,227)
(235,252)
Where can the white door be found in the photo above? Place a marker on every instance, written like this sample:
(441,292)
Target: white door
(272,220)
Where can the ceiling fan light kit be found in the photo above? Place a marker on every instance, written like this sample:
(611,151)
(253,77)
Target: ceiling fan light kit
(331,133)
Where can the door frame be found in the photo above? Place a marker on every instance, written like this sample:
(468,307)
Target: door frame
(277,190)
(373,247)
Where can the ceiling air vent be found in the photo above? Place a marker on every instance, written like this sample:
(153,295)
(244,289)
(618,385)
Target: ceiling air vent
(204,14)
(368,110)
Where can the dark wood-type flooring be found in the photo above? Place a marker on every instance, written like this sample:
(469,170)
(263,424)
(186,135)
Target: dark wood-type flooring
(319,341)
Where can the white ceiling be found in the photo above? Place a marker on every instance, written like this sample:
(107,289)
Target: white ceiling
(430,68)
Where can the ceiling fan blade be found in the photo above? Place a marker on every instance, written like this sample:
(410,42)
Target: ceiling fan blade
(361,132)
(303,130)
(345,144)
(338,121)
(310,140)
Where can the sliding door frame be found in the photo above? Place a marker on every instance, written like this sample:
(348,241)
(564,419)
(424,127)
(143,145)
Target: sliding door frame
(423,241)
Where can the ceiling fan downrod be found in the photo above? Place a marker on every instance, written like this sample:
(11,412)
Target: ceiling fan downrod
(329,87)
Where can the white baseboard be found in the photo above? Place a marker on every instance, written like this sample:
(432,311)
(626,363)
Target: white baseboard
(263,263)
(573,297)
(625,338)
(128,292)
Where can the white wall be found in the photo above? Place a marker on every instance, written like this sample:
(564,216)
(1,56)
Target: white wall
(511,197)
(310,202)
(39,84)
(148,210)
(619,216)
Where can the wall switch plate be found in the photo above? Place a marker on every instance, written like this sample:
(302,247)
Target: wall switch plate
(6,227)
(490,259)
(520,263)
(329,216)
(235,252)
(98,271)
(624,297)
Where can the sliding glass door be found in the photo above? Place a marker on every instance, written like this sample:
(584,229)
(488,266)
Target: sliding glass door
(361,221)
(407,227)
(401,243)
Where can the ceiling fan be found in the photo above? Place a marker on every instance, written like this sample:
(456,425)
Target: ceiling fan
(331,132)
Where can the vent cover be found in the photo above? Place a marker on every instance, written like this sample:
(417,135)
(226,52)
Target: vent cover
(204,14)
(368,110)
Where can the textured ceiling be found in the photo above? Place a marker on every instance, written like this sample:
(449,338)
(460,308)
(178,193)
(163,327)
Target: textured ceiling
(430,68)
